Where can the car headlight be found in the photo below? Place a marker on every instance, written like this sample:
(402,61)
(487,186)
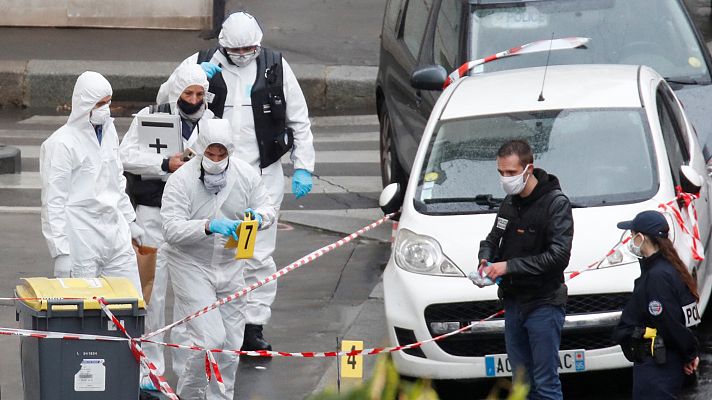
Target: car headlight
(621,256)
(422,255)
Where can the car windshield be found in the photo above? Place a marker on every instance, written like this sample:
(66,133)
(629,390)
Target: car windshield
(656,33)
(600,156)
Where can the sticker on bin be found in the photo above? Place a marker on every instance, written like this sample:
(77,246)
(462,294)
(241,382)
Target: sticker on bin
(111,326)
(91,376)
(569,361)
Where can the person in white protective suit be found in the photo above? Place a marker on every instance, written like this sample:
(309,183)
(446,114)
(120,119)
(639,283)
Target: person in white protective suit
(85,210)
(255,89)
(203,203)
(147,173)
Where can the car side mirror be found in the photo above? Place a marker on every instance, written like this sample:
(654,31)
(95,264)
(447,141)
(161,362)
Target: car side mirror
(391,198)
(428,77)
(690,180)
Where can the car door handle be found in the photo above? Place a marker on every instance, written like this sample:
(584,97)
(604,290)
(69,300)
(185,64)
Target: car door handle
(418,98)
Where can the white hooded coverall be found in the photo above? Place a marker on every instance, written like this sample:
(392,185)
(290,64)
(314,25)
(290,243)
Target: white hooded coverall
(85,209)
(202,270)
(140,162)
(241,30)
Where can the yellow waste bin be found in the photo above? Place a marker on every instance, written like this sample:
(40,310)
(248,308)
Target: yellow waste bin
(54,369)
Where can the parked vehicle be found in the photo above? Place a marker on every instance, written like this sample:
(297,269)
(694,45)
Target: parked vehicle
(417,33)
(619,141)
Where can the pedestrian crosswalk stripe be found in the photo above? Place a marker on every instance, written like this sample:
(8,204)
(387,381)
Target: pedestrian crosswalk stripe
(322,156)
(346,183)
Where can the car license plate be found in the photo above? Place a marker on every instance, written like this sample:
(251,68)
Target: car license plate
(569,361)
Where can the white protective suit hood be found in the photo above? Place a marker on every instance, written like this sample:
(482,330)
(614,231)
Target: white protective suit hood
(185,76)
(218,132)
(90,88)
(240,30)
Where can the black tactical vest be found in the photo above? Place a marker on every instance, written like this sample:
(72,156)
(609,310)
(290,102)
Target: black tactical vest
(269,106)
(146,192)
(525,235)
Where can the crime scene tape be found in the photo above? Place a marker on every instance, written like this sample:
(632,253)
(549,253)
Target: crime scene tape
(299,263)
(529,48)
(689,200)
(58,335)
(157,379)
(212,366)
(380,350)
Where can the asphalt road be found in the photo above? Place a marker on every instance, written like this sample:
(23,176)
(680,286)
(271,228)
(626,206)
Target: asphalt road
(314,305)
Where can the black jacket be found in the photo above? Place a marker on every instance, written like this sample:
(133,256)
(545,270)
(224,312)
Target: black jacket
(533,235)
(661,300)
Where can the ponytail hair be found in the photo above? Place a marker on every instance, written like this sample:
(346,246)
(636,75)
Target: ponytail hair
(667,250)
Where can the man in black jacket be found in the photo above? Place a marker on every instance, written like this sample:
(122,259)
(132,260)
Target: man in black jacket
(529,248)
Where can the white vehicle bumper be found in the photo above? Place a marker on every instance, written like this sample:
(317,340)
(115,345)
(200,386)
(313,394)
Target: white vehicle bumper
(407,295)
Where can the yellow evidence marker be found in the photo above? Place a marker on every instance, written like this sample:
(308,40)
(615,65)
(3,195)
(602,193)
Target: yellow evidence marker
(352,366)
(246,234)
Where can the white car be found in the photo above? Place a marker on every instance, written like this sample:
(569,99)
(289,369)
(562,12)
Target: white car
(619,142)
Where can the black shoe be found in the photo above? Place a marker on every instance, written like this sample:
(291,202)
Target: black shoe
(254,339)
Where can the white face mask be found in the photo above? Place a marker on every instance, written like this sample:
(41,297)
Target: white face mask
(514,184)
(214,168)
(636,249)
(242,60)
(99,115)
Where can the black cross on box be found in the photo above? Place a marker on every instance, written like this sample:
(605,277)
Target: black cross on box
(158,146)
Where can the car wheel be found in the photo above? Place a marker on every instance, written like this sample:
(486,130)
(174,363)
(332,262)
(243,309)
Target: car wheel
(391,170)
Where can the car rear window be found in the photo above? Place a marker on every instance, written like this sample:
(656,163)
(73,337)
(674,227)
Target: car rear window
(601,157)
(656,33)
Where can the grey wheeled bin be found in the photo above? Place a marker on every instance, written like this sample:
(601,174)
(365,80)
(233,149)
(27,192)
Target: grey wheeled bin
(57,369)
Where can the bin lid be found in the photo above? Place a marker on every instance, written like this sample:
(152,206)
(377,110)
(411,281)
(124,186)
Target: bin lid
(76,288)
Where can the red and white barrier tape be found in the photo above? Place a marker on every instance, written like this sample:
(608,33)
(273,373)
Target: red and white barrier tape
(158,380)
(378,350)
(698,251)
(529,48)
(211,367)
(299,263)
(210,362)
(43,298)
(58,335)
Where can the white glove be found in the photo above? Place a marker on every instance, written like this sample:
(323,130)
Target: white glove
(137,233)
(62,266)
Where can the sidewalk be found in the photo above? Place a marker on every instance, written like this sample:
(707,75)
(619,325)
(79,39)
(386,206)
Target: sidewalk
(333,49)
(48,84)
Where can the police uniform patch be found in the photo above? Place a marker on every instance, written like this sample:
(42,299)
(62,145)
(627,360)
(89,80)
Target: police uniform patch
(691,314)
(655,308)
(502,223)
(209,97)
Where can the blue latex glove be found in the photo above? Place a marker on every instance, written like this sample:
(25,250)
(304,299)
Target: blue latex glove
(255,216)
(301,183)
(210,69)
(224,226)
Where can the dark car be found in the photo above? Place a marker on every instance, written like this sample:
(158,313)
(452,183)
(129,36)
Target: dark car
(421,33)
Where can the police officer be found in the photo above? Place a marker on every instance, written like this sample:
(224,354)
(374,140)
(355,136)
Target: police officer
(654,329)
(255,89)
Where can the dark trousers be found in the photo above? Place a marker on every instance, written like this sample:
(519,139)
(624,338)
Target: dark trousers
(652,381)
(533,347)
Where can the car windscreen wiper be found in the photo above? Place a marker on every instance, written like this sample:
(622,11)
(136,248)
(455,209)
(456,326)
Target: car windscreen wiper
(683,81)
(480,199)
